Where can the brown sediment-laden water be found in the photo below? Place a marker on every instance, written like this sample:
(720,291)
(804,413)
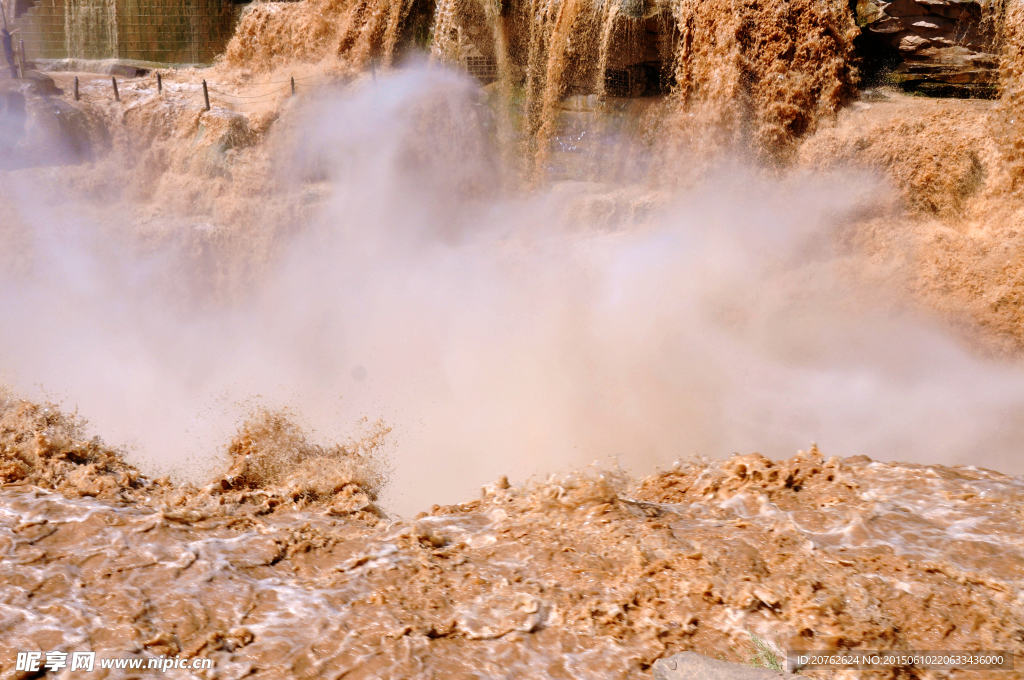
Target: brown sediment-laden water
(271,574)
(635,244)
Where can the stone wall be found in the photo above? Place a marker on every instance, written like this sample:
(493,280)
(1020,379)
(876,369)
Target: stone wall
(168,31)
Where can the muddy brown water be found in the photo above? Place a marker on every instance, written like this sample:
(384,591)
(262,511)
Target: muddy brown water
(286,566)
(583,576)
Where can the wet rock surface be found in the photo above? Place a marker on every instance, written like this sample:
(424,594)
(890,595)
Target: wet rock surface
(943,48)
(39,128)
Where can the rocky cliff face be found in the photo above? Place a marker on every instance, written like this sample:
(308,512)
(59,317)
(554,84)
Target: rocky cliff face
(942,47)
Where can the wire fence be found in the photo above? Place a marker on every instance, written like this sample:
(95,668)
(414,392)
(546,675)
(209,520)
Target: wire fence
(281,87)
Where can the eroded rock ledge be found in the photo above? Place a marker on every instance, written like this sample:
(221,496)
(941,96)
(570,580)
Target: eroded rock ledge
(943,48)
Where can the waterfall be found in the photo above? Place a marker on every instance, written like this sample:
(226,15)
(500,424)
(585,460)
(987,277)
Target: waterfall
(90,29)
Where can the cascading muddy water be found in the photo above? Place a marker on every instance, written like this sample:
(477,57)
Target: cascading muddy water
(92,23)
(755,77)
(356,251)
(335,34)
(611,14)
(749,78)
(1011,85)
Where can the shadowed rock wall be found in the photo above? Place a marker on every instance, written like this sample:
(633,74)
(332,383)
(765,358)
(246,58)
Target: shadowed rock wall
(939,47)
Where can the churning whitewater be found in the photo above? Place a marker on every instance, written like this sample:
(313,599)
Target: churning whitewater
(519,340)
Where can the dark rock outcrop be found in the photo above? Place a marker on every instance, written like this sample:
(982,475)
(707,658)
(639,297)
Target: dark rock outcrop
(943,48)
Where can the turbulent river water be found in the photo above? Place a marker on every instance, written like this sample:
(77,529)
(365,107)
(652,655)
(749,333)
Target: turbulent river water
(587,576)
(306,330)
